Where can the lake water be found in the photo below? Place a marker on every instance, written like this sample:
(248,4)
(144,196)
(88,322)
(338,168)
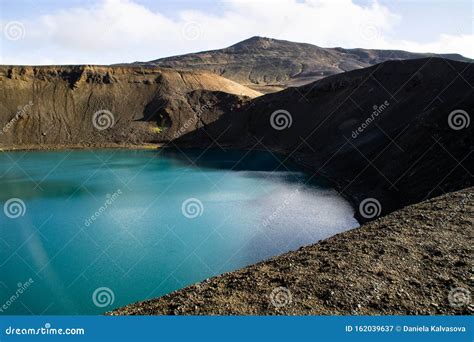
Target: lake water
(83,232)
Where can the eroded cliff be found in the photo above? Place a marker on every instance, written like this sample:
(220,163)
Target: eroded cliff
(94,105)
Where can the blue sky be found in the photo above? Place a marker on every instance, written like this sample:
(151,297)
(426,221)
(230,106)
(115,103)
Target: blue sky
(113,31)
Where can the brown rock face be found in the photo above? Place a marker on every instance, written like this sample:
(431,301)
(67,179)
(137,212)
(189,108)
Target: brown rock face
(270,65)
(56,105)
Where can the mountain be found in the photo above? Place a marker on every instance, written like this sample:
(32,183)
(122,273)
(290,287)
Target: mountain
(398,132)
(269,65)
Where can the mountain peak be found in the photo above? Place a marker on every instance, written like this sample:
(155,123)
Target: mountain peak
(254,42)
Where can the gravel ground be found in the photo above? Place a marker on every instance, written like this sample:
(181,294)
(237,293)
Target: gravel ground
(416,260)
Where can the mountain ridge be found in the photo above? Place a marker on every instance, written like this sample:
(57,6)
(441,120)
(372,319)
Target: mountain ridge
(269,65)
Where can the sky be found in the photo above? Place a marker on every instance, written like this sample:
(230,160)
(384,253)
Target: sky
(38,32)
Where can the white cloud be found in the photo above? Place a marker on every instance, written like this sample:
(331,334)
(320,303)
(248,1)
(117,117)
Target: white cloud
(114,31)
(463,44)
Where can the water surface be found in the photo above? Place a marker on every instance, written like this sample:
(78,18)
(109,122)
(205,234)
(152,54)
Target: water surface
(102,229)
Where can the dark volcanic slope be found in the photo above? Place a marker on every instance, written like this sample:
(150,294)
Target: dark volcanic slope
(405,153)
(408,262)
(269,65)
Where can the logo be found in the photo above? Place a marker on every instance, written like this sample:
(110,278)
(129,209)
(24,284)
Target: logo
(281,119)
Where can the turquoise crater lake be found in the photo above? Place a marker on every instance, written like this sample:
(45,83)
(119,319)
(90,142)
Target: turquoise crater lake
(84,232)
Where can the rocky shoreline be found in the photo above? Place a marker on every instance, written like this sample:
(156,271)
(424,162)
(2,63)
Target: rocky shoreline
(59,147)
(415,261)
